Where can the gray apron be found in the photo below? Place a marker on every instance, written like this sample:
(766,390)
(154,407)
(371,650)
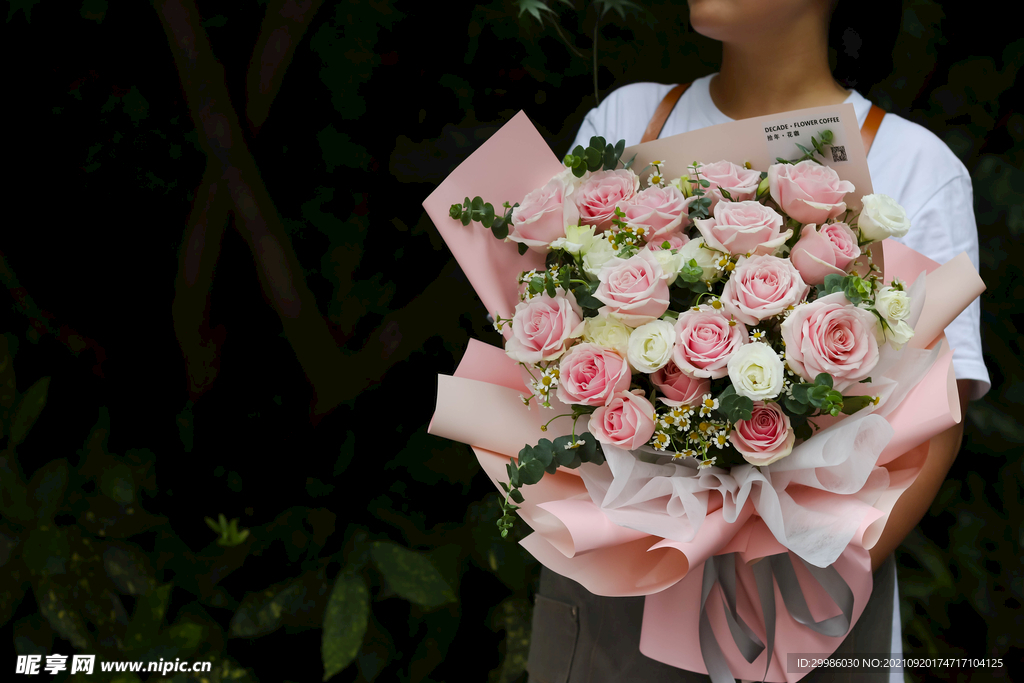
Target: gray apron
(579,637)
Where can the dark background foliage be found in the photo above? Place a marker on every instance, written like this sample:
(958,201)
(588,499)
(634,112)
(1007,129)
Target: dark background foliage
(157,416)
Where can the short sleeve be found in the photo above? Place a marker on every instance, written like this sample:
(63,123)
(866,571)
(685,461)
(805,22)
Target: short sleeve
(943,227)
(622,115)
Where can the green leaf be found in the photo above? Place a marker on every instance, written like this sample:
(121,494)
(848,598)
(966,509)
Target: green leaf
(823,379)
(513,471)
(262,612)
(544,455)
(522,247)
(28,411)
(833,284)
(46,551)
(534,7)
(186,637)
(595,157)
(516,495)
(800,392)
(55,604)
(691,271)
(48,486)
(851,404)
(818,396)
(620,147)
(802,430)
(412,575)
(630,162)
(148,617)
(530,472)
(128,568)
(796,407)
(620,6)
(345,621)
(590,451)
(597,142)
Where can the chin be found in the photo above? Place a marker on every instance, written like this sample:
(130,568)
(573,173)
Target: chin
(744,20)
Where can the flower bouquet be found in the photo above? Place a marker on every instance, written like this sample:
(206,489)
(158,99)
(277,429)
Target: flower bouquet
(731,372)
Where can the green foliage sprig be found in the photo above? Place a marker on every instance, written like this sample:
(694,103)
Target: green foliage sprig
(547,456)
(598,155)
(819,145)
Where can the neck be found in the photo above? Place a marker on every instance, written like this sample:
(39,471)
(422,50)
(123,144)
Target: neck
(794,75)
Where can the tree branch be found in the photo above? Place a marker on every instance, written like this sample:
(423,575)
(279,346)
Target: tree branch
(283,26)
(256,219)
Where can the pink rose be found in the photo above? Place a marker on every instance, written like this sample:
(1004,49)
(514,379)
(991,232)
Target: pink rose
(678,388)
(831,335)
(597,196)
(634,290)
(740,182)
(543,327)
(743,228)
(659,211)
(762,286)
(704,341)
(627,421)
(590,374)
(541,217)
(766,437)
(808,191)
(820,252)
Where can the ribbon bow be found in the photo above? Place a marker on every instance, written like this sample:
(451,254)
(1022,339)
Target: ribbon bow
(721,569)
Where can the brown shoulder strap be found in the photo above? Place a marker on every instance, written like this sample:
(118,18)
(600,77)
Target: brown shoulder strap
(870,127)
(662,112)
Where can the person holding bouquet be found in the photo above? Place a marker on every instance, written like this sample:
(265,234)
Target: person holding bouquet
(775,59)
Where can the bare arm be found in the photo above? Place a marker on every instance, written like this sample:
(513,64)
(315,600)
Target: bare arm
(916,500)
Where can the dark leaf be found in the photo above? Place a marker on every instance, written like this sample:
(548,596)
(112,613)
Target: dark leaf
(28,410)
(345,620)
(148,617)
(412,575)
(531,472)
(128,568)
(263,612)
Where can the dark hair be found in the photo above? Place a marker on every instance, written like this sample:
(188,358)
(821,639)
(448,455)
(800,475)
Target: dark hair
(861,40)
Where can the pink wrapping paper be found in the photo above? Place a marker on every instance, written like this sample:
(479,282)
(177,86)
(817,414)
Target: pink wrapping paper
(480,405)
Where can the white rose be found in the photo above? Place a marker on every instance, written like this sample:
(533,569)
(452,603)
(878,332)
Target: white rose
(578,239)
(669,262)
(882,217)
(607,332)
(899,333)
(599,254)
(650,346)
(756,371)
(892,304)
(705,257)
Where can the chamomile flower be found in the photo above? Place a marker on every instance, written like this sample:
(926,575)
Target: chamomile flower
(707,463)
(707,405)
(757,335)
(655,180)
(721,438)
(660,441)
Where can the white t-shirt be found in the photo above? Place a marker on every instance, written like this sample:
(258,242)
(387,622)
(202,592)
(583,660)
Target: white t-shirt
(906,162)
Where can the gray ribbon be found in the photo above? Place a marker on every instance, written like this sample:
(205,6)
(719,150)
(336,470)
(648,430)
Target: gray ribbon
(721,569)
